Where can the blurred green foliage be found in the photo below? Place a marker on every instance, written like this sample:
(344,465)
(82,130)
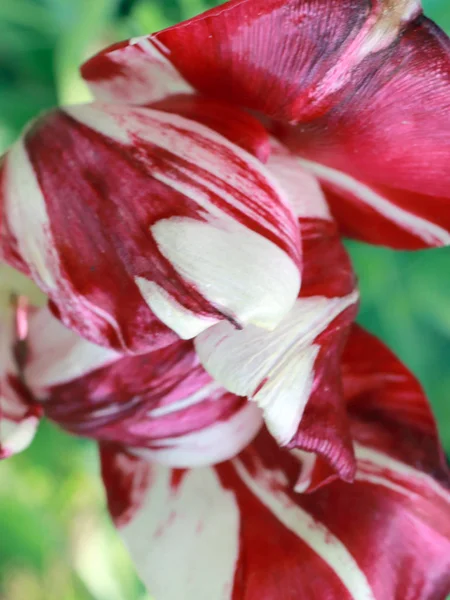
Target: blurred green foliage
(56,542)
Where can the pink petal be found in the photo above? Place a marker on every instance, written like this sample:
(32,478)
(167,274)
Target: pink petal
(293,372)
(57,355)
(238,530)
(382,153)
(163,405)
(122,214)
(19,416)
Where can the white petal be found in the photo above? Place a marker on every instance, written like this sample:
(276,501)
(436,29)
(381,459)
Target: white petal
(173,538)
(273,368)
(257,282)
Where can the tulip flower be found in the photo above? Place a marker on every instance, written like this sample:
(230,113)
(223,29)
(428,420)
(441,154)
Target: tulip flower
(186,230)
(134,221)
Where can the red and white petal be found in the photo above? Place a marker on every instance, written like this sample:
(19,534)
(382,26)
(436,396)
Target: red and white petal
(301,187)
(133,72)
(382,153)
(188,543)
(57,355)
(370,99)
(239,530)
(276,368)
(221,433)
(314,49)
(293,372)
(166,217)
(236,125)
(162,405)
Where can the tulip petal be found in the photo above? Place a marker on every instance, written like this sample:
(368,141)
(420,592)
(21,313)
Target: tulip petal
(57,355)
(133,72)
(246,534)
(365,87)
(313,50)
(293,372)
(383,537)
(382,153)
(236,125)
(381,390)
(275,369)
(162,405)
(147,213)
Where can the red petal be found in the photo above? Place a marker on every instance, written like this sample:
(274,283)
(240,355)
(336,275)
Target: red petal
(128,477)
(368,86)
(382,152)
(117,210)
(381,390)
(266,55)
(328,272)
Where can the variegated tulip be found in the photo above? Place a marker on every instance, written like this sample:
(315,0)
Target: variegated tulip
(272,523)
(183,459)
(186,227)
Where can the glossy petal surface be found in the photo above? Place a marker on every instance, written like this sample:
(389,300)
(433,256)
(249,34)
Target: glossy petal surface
(314,48)
(251,535)
(382,152)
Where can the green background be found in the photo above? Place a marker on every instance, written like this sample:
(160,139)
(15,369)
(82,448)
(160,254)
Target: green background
(56,542)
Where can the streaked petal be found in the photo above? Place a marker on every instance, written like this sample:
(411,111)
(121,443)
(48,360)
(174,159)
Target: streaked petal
(275,369)
(136,213)
(236,125)
(239,530)
(384,537)
(293,372)
(134,72)
(57,356)
(162,405)
(365,85)
(382,153)
(383,394)
(314,49)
